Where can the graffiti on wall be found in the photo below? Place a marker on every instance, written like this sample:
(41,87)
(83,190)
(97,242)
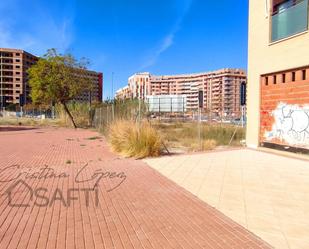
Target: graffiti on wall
(291,125)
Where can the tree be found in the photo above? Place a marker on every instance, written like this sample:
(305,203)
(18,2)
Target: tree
(58,78)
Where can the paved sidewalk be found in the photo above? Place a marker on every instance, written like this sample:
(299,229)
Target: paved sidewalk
(134,207)
(266,193)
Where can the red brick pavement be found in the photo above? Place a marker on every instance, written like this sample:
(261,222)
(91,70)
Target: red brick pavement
(145,211)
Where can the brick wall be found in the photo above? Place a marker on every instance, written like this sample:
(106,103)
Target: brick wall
(285,108)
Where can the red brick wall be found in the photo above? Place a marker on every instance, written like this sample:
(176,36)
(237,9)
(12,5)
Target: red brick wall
(272,94)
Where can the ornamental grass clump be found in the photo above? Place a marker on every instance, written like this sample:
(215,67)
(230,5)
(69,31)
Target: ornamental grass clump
(134,140)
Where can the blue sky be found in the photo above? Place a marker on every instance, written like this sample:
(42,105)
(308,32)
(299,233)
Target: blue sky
(128,36)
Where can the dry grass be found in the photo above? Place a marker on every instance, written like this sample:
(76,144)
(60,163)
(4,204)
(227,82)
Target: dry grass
(205,145)
(80,112)
(132,140)
(186,136)
(209,144)
(29,122)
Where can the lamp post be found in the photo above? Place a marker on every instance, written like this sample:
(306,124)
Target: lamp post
(89,108)
(200,107)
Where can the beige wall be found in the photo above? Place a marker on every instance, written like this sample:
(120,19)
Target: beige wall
(267,58)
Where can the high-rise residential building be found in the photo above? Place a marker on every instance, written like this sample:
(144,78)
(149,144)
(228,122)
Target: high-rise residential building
(221,89)
(14,64)
(123,93)
(96,80)
(139,85)
(278,74)
(14,87)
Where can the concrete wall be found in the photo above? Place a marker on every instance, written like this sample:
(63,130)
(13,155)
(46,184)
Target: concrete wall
(266,57)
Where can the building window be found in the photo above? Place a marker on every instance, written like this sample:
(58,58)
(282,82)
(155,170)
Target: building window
(293,76)
(266,81)
(304,75)
(289,17)
(275,79)
(17,66)
(283,78)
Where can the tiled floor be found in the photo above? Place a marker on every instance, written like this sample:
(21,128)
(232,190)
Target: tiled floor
(146,211)
(266,193)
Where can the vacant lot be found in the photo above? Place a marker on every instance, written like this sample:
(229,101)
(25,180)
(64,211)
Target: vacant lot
(190,136)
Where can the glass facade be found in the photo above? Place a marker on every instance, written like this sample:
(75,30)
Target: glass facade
(289,19)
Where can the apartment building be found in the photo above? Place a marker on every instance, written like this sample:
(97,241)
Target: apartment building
(278,74)
(139,85)
(14,87)
(14,64)
(188,85)
(96,79)
(221,89)
(124,93)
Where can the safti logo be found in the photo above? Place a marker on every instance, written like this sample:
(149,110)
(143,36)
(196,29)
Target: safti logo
(27,189)
(23,194)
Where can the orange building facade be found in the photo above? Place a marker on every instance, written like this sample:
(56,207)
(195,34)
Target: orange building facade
(221,89)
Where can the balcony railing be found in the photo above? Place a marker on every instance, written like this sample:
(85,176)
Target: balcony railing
(290,21)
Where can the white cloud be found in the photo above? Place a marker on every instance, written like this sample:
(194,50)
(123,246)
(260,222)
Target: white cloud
(37,33)
(8,40)
(168,40)
(165,44)
(4,37)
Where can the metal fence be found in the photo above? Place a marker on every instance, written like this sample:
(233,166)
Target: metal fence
(164,109)
(31,113)
(104,115)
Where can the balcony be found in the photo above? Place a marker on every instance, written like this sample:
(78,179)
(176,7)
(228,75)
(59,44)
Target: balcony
(289,20)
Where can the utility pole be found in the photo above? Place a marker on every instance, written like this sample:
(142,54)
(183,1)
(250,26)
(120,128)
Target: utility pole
(210,99)
(113,107)
(242,116)
(139,103)
(199,128)
(89,109)
(112,85)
